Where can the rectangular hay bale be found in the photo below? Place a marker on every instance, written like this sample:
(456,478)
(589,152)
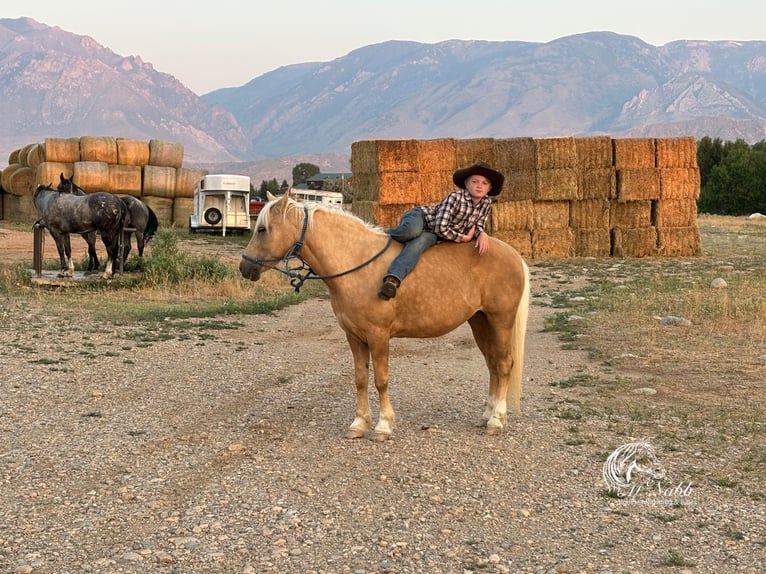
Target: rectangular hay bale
(592,242)
(679,183)
(676,152)
(437,155)
(550,214)
(512,215)
(594,152)
(634,241)
(589,214)
(552,243)
(434,186)
(679,241)
(630,214)
(638,184)
(519,239)
(472,150)
(513,154)
(555,153)
(399,187)
(519,184)
(597,183)
(556,184)
(633,153)
(674,213)
(371,156)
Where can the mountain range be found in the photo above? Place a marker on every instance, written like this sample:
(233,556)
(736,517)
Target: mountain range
(57,84)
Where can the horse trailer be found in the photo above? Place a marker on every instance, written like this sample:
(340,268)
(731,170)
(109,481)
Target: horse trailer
(221,203)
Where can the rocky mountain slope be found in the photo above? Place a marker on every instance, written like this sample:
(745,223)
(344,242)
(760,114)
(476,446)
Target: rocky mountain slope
(55,83)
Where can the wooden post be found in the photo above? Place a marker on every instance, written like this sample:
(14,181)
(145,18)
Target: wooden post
(38,249)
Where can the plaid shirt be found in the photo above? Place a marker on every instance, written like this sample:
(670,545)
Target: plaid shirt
(455,214)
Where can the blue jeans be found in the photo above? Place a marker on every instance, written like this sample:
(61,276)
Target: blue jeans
(410,231)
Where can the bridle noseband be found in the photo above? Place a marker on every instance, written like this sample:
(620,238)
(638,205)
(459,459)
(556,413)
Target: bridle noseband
(298,274)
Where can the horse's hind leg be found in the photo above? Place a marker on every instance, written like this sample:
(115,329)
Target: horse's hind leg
(64,248)
(126,245)
(90,239)
(362,420)
(380,354)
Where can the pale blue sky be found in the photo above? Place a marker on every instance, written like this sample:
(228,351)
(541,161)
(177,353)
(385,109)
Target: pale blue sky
(225,43)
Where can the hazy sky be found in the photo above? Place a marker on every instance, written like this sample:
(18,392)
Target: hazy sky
(226,43)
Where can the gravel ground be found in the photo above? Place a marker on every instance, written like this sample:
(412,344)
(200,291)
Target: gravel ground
(222,451)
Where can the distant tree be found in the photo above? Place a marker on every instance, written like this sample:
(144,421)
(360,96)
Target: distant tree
(735,184)
(270,186)
(285,186)
(303,171)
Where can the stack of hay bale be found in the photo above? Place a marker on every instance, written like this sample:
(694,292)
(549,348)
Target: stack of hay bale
(563,197)
(152,171)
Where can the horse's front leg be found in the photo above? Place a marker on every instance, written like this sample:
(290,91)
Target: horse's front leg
(362,420)
(380,355)
(65,255)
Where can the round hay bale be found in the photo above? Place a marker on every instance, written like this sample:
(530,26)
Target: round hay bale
(5,179)
(159,181)
(185,180)
(64,150)
(22,181)
(125,179)
(20,209)
(49,172)
(91,176)
(23,153)
(36,155)
(132,152)
(165,153)
(162,207)
(183,207)
(13,157)
(98,148)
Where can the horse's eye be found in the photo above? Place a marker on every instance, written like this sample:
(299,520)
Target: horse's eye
(261,229)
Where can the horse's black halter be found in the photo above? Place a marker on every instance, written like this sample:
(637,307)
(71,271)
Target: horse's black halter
(295,274)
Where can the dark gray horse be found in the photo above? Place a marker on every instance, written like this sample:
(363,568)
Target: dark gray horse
(69,209)
(142,218)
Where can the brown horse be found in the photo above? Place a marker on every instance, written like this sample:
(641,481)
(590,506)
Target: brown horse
(451,284)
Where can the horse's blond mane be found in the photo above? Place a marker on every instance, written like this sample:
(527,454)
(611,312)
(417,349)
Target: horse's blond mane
(265,215)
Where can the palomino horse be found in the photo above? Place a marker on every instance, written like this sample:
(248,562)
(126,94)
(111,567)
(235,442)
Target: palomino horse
(450,285)
(142,218)
(64,211)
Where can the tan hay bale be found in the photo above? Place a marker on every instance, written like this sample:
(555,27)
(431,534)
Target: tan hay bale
(22,181)
(555,153)
(366,186)
(434,186)
(159,181)
(165,153)
(20,209)
(62,150)
(597,183)
(594,152)
(674,213)
(634,241)
(36,155)
(633,152)
(364,210)
(552,243)
(470,151)
(512,215)
(371,156)
(679,241)
(676,152)
(395,187)
(91,176)
(436,155)
(98,148)
(387,216)
(519,239)
(638,184)
(13,157)
(162,207)
(49,172)
(630,214)
(556,183)
(186,178)
(550,214)
(589,214)
(24,154)
(183,207)
(125,179)
(592,242)
(5,179)
(679,183)
(132,152)
(518,185)
(512,154)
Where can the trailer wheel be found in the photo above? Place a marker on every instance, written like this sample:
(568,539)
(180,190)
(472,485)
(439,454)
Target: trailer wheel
(213,216)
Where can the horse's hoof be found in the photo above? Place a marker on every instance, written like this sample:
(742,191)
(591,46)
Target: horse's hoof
(494,431)
(380,437)
(354,434)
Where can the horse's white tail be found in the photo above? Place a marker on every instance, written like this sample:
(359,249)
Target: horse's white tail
(517,344)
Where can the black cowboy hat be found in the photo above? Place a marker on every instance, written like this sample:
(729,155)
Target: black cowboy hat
(480,168)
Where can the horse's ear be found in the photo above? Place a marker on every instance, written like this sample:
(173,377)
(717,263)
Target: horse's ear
(270,196)
(61,177)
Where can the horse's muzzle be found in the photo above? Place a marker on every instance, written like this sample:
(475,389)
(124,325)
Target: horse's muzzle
(250,270)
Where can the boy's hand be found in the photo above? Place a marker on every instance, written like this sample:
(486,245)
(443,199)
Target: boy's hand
(482,243)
